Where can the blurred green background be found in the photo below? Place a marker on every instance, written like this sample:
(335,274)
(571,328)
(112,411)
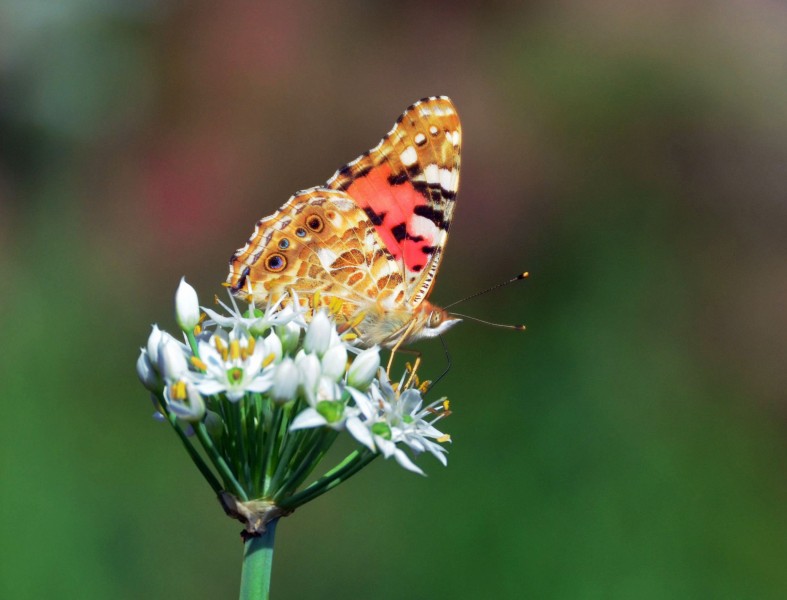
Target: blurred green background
(631,156)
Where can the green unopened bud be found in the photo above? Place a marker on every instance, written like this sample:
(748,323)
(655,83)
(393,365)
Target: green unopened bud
(331,410)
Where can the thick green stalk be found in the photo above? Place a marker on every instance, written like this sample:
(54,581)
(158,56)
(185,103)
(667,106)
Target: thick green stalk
(255,579)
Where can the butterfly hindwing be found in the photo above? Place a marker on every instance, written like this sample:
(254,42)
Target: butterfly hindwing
(407,186)
(320,241)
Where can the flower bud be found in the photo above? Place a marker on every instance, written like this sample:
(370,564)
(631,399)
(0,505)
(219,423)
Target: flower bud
(186,306)
(273,346)
(171,360)
(146,373)
(318,336)
(309,370)
(285,382)
(364,368)
(154,339)
(289,335)
(334,362)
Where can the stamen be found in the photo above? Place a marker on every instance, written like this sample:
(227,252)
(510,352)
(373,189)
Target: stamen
(250,345)
(178,390)
(315,301)
(444,438)
(198,363)
(425,385)
(349,336)
(268,359)
(356,320)
(234,349)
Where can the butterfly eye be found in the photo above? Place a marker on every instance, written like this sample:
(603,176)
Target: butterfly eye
(284,243)
(300,232)
(276,262)
(315,223)
(435,319)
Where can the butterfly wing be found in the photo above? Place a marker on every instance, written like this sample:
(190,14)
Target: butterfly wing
(319,241)
(407,186)
(374,235)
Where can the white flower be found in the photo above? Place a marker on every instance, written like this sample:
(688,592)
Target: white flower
(285,381)
(184,401)
(318,336)
(234,365)
(389,418)
(334,362)
(186,306)
(364,368)
(146,373)
(255,320)
(327,408)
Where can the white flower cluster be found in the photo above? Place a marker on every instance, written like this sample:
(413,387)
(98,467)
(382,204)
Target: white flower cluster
(278,354)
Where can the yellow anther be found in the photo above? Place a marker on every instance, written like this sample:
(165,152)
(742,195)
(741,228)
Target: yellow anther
(349,337)
(446,404)
(316,300)
(444,438)
(336,305)
(178,390)
(199,364)
(268,359)
(197,330)
(424,386)
(225,284)
(250,345)
(356,320)
(234,349)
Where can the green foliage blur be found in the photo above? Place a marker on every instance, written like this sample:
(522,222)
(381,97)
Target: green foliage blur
(631,156)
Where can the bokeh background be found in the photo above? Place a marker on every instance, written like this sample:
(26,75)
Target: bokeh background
(631,156)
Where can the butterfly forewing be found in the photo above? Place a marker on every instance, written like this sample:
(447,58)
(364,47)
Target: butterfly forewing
(407,185)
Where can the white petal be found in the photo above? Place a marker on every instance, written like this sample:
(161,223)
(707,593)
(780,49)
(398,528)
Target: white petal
(361,433)
(186,306)
(307,419)
(402,458)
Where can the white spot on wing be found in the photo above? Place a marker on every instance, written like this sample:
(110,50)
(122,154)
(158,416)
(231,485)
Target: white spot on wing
(409,157)
(422,226)
(327,257)
(420,138)
(432,173)
(447,179)
(433,130)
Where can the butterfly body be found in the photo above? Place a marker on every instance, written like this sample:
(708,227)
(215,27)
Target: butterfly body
(368,244)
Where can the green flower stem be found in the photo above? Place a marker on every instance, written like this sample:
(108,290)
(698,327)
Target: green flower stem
(264,465)
(192,342)
(340,473)
(195,456)
(219,462)
(255,579)
(304,464)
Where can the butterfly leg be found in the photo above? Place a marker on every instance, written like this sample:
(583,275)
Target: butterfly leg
(395,349)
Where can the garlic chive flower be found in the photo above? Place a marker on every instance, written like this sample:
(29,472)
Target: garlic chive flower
(233,363)
(258,395)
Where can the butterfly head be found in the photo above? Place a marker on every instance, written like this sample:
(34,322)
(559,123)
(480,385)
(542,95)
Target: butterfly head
(437,321)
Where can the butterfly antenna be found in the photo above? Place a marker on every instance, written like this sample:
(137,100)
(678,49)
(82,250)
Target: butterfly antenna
(447,368)
(519,277)
(502,325)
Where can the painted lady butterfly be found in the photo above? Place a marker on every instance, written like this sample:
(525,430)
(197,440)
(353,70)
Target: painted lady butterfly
(368,243)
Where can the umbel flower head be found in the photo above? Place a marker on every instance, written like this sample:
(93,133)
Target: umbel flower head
(258,396)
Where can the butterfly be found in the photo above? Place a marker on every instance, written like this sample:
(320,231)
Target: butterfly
(367,245)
